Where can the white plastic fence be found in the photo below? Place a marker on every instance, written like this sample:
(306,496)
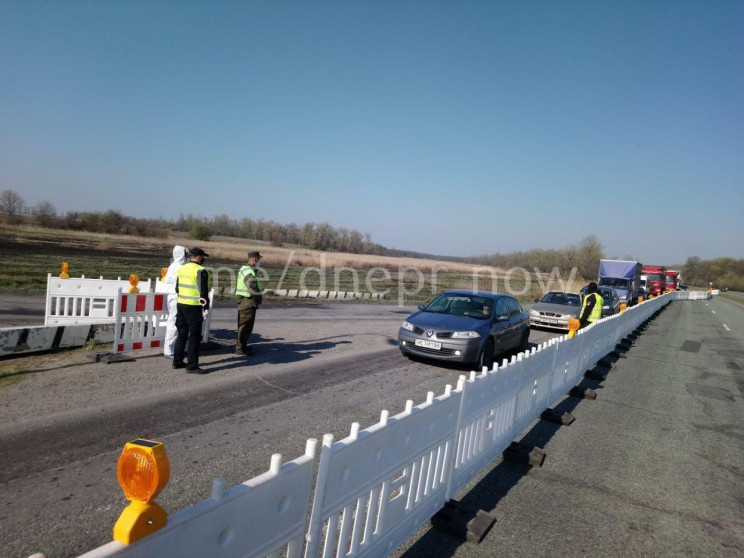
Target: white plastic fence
(141,321)
(84,300)
(377,486)
(234,522)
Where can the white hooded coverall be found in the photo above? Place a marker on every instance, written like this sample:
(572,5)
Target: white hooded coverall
(171,333)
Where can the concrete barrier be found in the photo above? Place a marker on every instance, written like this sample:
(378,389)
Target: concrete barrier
(44,338)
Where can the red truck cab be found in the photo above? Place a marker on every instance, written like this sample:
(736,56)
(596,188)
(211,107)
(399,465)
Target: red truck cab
(672,280)
(655,279)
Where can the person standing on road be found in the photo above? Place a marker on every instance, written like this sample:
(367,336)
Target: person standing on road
(180,253)
(192,287)
(249,295)
(591,308)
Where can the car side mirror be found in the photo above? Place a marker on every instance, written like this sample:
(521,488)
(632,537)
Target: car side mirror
(421,306)
(537,300)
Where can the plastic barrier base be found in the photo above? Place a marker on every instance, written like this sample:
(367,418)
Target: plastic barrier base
(524,455)
(582,393)
(597,373)
(463,521)
(551,415)
(108,358)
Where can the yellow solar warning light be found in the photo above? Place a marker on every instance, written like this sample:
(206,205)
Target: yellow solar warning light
(143,471)
(573,326)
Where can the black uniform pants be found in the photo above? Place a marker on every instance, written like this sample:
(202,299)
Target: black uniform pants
(189,322)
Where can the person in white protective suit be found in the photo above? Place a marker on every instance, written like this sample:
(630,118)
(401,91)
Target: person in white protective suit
(180,257)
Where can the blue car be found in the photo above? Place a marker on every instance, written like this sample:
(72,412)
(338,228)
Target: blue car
(466,326)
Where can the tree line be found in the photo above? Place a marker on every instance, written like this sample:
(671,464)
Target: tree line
(317,236)
(722,272)
(584,257)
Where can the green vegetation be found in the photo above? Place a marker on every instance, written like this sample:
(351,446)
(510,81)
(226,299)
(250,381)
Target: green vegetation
(722,272)
(10,375)
(584,257)
(200,231)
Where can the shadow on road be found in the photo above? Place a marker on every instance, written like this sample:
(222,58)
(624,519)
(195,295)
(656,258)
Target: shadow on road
(274,351)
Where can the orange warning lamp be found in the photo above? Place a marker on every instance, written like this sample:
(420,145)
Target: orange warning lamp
(163,273)
(64,274)
(623,307)
(133,280)
(573,326)
(143,471)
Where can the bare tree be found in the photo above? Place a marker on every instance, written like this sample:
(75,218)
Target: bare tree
(590,252)
(11,203)
(44,212)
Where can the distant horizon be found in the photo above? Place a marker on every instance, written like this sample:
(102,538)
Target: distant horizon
(438,127)
(28,211)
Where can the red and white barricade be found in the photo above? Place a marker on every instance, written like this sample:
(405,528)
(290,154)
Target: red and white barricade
(141,321)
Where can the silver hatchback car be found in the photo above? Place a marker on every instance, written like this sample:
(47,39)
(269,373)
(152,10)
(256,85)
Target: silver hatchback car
(555,309)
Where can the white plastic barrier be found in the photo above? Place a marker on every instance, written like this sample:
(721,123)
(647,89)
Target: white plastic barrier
(693,295)
(141,321)
(84,301)
(376,487)
(266,515)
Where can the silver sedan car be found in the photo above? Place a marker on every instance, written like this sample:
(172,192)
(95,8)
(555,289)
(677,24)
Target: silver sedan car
(555,309)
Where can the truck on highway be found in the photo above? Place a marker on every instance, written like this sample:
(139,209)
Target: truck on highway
(655,278)
(672,279)
(623,276)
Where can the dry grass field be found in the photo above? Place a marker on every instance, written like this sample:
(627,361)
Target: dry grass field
(31,252)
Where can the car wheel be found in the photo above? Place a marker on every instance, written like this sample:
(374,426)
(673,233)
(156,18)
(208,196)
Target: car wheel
(524,342)
(486,357)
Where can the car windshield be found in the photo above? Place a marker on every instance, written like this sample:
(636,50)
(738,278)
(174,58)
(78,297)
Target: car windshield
(472,306)
(654,277)
(562,298)
(614,282)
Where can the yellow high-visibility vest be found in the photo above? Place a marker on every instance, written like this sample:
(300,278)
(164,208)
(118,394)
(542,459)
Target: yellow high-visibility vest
(188,284)
(241,289)
(596,311)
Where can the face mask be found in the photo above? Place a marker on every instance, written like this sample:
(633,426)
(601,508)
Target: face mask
(257,266)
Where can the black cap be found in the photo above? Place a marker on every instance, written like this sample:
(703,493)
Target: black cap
(254,255)
(198,252)
(592,287)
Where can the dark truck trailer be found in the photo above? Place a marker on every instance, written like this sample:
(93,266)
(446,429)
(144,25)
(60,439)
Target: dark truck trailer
(623,276)
(655,278)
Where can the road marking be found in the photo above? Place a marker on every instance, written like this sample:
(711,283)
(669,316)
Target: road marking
(727,327)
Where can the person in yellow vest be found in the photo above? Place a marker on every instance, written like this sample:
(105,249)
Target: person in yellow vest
(249,295)
(192,287)
(591,308)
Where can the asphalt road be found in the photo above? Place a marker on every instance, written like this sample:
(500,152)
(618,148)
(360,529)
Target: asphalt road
(317,369)
(652,467)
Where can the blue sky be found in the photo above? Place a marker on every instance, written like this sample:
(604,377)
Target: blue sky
(456,127)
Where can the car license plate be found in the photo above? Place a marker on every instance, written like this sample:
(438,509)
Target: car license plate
(427,344)
(551,321)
